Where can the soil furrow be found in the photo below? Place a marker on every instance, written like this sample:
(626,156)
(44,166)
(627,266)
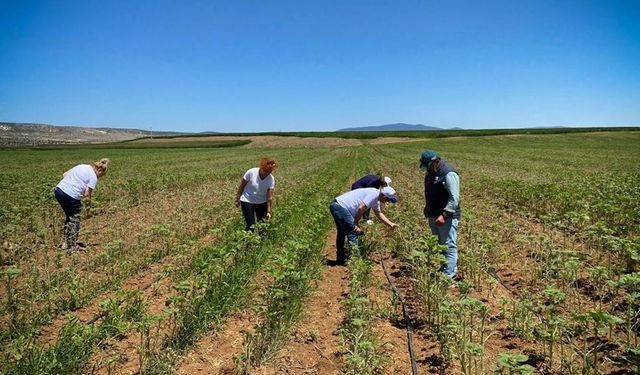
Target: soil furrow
(315,347)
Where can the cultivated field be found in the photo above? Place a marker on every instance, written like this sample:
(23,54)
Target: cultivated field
(169,283)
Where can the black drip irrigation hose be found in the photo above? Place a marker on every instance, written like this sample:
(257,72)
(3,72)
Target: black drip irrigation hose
(491,270)
(407,319)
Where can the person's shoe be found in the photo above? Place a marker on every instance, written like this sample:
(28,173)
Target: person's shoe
(79,247)
(62,246)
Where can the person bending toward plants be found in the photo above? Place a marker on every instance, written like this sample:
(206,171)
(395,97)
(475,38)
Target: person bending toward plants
(347,210)
(255,193)
(371,181)
(442,205)
(77,183)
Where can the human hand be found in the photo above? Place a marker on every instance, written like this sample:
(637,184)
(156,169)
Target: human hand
(394,225)
(268,216)
(357,229)
(237,202)
(440,221)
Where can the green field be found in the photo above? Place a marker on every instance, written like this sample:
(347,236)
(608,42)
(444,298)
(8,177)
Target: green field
(549,251)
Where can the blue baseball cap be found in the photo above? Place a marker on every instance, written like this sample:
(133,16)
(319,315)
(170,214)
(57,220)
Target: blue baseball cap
(427,157)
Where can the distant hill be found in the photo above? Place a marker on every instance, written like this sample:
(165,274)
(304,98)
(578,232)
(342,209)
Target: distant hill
(23,134)
(392,127)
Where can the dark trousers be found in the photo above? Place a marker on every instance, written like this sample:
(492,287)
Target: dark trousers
(253,212)
(71,208)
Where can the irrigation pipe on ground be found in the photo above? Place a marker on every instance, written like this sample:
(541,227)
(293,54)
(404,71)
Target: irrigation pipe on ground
(407,319)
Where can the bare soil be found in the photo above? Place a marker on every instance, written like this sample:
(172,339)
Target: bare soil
(315,348)
(264,141)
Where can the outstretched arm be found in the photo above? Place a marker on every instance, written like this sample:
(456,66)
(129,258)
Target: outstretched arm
(87,195)
(384,219)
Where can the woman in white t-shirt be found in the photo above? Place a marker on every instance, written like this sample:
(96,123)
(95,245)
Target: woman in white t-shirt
(77,183)
(255,193)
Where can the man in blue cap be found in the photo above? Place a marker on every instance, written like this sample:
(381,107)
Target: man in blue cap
(442,205)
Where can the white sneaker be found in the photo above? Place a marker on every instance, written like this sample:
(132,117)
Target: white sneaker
(369,222)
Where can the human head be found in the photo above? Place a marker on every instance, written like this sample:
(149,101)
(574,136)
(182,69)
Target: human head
(428,157)
(387,181)
(101,167)
(268,164)
(389,193)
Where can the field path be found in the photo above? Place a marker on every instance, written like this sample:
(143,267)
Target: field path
(315,348)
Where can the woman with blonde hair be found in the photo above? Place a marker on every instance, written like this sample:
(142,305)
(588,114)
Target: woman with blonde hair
(255,193)
(77,183)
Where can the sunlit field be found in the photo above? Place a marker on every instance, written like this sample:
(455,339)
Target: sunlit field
(170,282)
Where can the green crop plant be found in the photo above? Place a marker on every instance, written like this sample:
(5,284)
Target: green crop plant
(425,262)
(292,271)
(595,322)
(360,343)
(478,248)
(600,277)
(521,318)
(12,306)
(472,315)
(553,324)
(513,364)
(630,284)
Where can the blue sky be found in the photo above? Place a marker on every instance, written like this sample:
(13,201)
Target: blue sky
(272,65)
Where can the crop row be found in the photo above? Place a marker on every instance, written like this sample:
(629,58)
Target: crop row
(597,325)
(184,273)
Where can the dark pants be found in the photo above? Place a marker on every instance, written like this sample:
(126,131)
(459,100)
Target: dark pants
(71,208)
(366,214)
(253,212)
(345,226)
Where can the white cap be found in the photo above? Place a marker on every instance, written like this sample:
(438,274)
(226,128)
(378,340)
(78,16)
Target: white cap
(388,192)
(387,179)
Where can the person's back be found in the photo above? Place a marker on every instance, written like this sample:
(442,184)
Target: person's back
(77,179)
(368,181)
(351,200)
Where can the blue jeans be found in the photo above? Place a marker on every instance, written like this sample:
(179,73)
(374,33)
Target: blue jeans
(345,226)
(447,235)
(71,208)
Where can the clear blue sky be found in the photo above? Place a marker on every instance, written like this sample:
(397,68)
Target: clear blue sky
(269,65)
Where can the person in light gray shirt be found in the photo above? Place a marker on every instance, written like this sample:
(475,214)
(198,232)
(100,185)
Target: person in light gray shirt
(347,210)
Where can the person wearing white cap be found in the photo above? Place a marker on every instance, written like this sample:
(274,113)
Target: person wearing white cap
(348,208)
(371,181)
